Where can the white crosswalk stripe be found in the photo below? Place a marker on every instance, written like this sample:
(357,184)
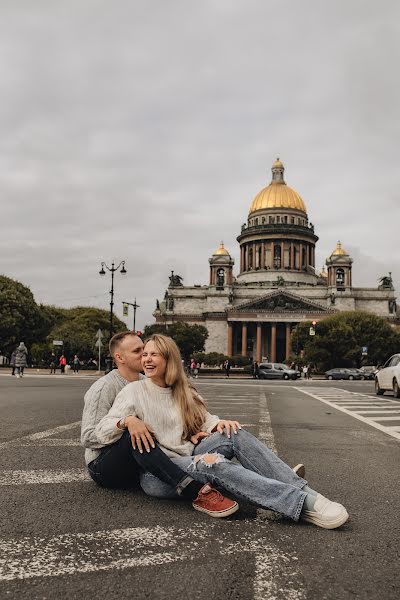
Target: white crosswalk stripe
(29,557)
(380,413)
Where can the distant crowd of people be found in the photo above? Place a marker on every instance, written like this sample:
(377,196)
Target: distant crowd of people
(19,360)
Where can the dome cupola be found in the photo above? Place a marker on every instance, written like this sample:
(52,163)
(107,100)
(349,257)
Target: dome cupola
(277,241)
(277,195)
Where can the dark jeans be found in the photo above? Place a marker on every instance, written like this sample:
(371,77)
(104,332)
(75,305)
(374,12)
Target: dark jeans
(119,466)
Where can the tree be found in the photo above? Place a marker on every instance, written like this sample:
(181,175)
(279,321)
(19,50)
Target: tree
(20,316)
(77,328)
(189,338)
(339,340)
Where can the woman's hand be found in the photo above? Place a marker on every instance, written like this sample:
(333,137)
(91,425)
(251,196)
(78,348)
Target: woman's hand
(197,437)
(141,434)
(228,425)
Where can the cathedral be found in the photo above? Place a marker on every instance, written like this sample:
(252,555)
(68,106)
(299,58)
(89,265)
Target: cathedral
(253,312)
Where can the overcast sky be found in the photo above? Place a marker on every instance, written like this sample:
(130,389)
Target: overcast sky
(142,130)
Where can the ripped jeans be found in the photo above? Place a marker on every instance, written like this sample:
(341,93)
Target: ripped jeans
(260,477)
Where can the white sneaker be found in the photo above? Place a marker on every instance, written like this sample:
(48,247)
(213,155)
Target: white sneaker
(17,375)
(326,514)
(300,470)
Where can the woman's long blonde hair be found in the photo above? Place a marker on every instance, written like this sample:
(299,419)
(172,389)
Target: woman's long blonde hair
(192,406)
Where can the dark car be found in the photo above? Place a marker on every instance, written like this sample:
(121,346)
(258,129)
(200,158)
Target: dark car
(368,372)
(276,371)
(344,374)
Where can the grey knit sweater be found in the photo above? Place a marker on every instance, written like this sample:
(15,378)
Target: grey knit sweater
(157,408)
(98,400)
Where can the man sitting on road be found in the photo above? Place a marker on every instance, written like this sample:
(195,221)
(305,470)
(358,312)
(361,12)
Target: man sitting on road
(119,464)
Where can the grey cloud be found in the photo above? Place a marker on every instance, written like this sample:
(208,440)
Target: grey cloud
(144,130)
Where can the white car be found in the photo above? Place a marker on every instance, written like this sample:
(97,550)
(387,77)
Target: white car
(388,378)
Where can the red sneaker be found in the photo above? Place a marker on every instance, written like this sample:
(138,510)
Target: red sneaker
(213,503)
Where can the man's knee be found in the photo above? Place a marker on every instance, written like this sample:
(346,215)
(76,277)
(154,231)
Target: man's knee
(152,486)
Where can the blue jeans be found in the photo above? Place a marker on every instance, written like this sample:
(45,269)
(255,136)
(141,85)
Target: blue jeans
(119,466)
(260,478)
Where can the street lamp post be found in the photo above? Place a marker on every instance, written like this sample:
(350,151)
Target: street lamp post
(112,270)
(135,306)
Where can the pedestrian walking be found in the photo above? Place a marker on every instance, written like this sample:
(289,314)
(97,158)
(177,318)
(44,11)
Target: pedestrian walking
(76,363)
(192,367)
(62,362)
(305,371)
(12,361)
(205,445)
(255,369)
(227,367)
(21,354)
(53,363)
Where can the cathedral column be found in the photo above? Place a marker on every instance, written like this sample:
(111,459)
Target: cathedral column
(230,340)
(272,256)
(258,342)
(254,256)
(282,254)
(273,342)
(244,339)
(241,258)
(291,264)
(288,340)
(262,266)
(246,257)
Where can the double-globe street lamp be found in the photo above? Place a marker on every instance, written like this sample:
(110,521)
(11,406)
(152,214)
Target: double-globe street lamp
(112,270)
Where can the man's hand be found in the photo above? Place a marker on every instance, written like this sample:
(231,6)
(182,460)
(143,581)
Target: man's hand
(227,425)
(197,437)
(141,434)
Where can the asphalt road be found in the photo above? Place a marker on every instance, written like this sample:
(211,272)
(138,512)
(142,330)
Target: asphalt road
(63,537)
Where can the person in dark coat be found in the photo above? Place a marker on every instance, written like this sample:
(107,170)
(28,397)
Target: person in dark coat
(20,359)
(227,367)
(53,363)
(255,369)
(12,361)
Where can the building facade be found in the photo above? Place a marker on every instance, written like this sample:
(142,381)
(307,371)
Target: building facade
(277,286)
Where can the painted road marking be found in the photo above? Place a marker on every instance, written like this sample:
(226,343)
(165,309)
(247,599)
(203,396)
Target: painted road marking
(41,435)
(354,404)
(41,476)
(67,554)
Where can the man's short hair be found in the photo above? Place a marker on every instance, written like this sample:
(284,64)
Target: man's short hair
(117,339)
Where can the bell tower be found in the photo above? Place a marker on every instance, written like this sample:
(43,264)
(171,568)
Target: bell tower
(339,269)
(221,264)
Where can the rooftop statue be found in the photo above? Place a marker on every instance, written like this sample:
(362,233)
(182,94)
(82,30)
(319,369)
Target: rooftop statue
(175,280)
(386,282)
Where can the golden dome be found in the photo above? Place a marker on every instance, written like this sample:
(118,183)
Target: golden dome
(221,251)
(277,194)
(339,251)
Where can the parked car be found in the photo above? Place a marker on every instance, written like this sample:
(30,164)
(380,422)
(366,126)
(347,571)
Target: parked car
(388,378)
(276,371)
(368,372)
(344,374)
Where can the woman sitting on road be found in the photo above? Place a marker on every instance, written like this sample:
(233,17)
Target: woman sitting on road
(204,445)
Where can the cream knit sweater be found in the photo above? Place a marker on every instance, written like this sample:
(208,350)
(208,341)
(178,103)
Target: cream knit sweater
(156,407)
